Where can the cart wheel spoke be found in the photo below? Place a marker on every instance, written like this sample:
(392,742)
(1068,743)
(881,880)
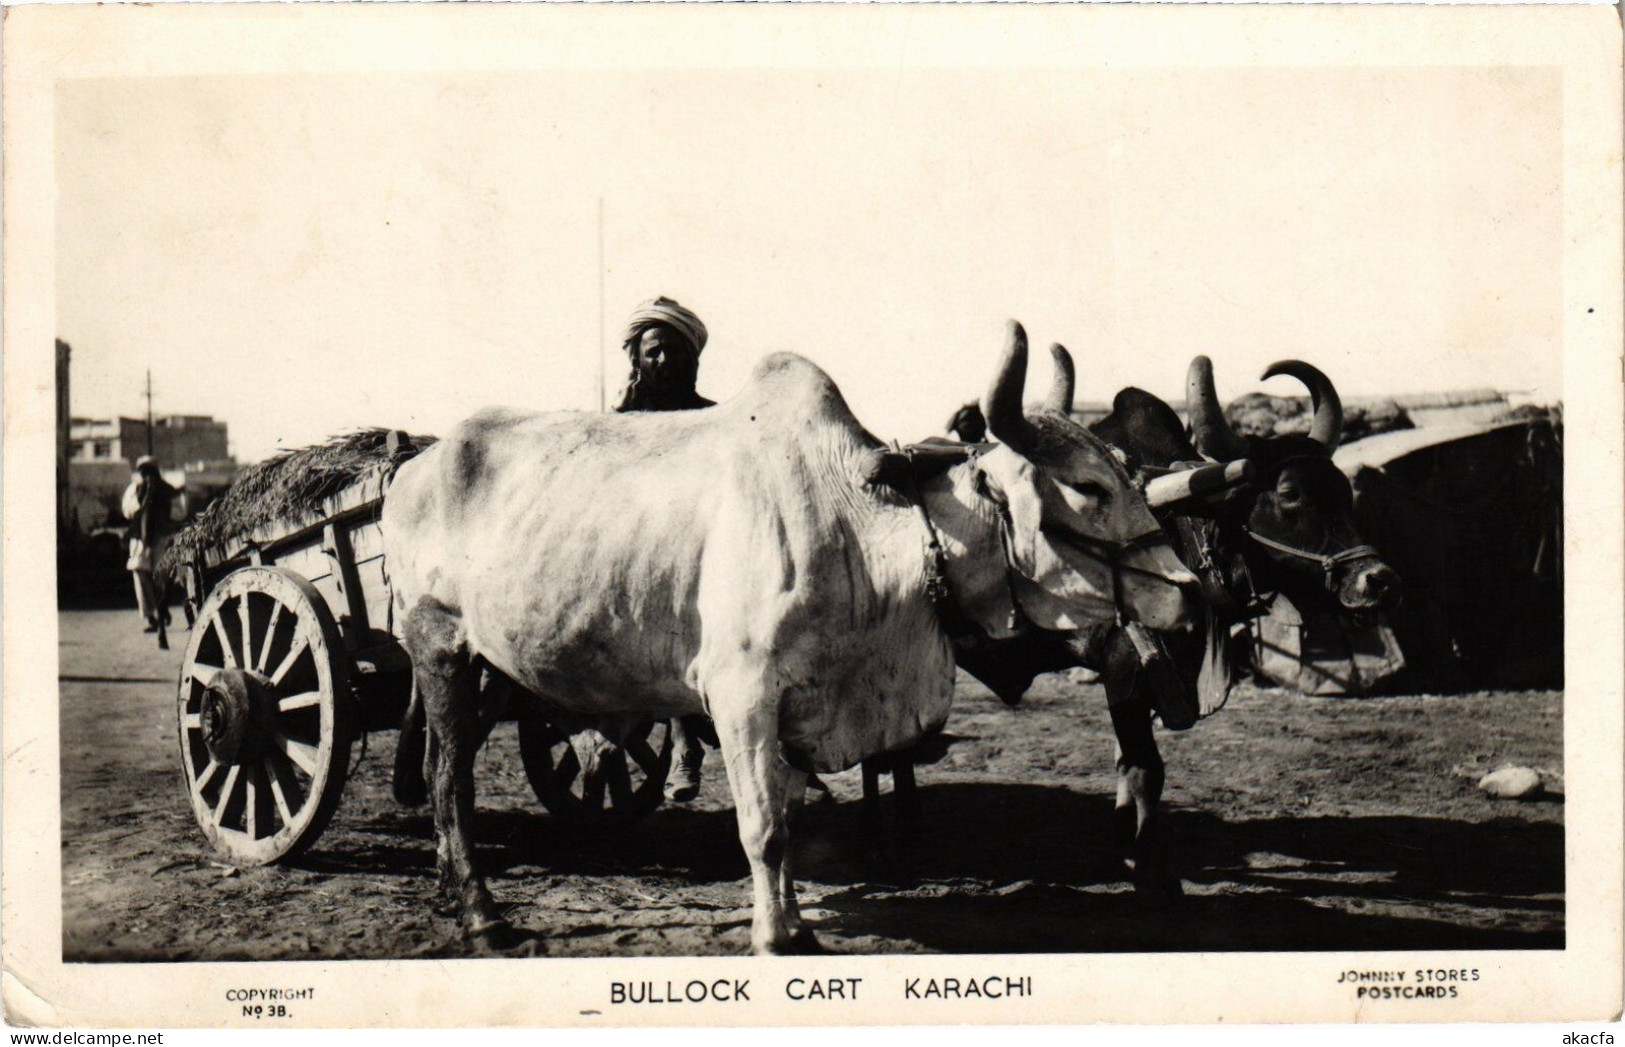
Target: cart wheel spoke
(643,756)
(248,631)
(566,769)
(264,658)
(251,801)
(205,776)
(299,701)
(297,751)
(300,646)
(192,721)
(227,787)
(283,786)
(202,673)
(219,629)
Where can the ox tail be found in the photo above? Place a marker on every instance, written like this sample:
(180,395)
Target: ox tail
(408,783)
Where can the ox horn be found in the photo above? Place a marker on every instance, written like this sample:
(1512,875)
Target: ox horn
(1001,404)
(1327,428)
(1209,430)
(1066,377)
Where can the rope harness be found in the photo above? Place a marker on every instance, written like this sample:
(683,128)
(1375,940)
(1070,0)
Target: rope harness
(1202,543)
(954,620)
(1328,564)
(1115,554)
(1205,542)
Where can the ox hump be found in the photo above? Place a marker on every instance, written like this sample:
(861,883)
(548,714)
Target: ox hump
(789,389)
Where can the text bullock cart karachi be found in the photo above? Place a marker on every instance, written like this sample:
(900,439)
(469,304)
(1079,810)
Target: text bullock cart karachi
(293,658)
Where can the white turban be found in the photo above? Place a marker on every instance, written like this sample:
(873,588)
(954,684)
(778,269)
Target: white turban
(665,311)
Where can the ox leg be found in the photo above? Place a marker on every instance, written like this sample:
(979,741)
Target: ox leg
(904,793)
(870,818)
(1140,779)
(447,903)
(448,684)
(760,780)
(409,782)
(796,793)
(795,800)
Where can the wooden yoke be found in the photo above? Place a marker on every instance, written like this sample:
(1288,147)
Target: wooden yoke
(901,467)
(1189,481)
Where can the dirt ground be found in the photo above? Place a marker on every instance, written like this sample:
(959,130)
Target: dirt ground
(1298,824)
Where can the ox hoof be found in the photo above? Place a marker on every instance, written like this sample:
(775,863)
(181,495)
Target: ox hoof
(802,943)
(1158,892)
(806,943)
(503,939)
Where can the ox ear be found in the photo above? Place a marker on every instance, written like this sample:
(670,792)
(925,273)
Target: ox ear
(1012,481)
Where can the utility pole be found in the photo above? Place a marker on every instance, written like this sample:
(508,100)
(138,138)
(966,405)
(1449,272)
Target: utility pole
(149,410)
(601,305)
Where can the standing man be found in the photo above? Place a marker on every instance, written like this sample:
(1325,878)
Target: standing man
(663,342)
(152,507)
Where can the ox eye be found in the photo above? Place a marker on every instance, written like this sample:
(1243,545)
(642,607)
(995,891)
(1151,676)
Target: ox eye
(1092,491)
(1289,492)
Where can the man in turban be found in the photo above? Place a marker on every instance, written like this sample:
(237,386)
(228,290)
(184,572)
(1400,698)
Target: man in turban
(663,342)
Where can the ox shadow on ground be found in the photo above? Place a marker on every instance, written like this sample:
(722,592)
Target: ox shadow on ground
(695,846)
(1043,859)
(1003,867)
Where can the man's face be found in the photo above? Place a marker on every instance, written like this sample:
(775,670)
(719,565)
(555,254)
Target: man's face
(661,350)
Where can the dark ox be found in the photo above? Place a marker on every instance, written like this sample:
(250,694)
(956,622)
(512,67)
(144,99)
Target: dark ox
(1289,530)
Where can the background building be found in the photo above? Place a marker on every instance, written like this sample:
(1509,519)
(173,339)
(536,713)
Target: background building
(192,451)
(176,439)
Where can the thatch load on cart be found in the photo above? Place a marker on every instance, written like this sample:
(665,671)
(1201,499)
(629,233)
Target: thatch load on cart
(290,489)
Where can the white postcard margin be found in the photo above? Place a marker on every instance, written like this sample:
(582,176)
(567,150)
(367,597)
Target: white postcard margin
(44,45)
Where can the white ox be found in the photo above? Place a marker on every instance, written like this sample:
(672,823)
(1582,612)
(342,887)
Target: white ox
(741,561)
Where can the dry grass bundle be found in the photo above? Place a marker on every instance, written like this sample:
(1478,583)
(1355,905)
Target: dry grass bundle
(291,487)
(1259,414)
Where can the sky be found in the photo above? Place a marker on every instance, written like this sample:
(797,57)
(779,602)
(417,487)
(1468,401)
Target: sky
(300,255)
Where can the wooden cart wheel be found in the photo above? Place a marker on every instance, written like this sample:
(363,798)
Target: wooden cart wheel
(628,781)
(265,716)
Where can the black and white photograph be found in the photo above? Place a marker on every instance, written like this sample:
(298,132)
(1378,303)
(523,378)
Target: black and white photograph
(830,483)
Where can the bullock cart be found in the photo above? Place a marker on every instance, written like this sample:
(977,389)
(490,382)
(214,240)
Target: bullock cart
(293,659)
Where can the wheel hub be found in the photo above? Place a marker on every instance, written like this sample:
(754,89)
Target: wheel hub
(237,712)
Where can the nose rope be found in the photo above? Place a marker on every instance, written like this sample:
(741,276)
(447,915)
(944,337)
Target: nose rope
(1328,563)
(1114,555)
